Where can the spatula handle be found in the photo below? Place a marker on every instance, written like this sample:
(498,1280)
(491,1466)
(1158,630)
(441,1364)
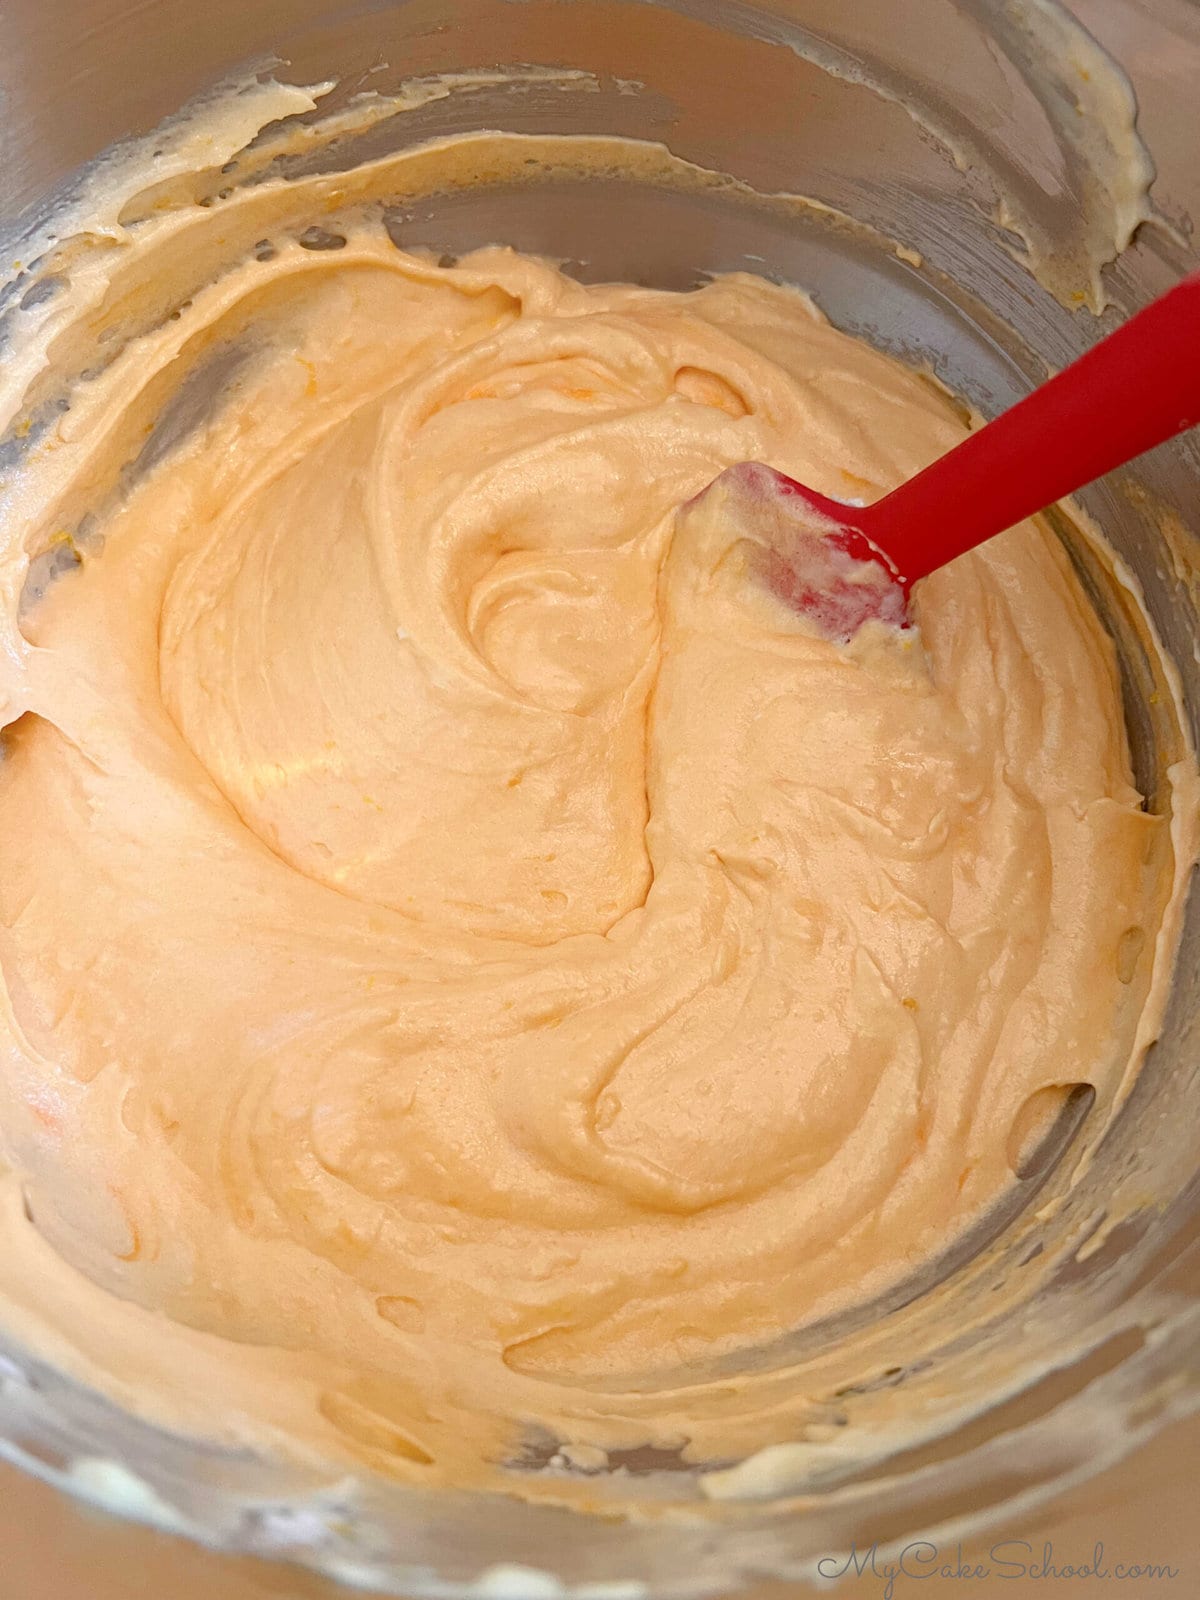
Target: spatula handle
(1133,390)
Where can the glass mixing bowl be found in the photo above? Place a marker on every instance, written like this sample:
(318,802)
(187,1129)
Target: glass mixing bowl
(972,177)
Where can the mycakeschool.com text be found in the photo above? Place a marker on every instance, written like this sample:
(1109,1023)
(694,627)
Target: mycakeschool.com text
(901,1571)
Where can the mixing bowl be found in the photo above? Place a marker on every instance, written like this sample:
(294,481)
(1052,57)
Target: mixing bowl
(963,183)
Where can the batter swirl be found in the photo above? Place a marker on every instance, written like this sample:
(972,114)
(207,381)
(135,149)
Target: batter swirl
(472,957)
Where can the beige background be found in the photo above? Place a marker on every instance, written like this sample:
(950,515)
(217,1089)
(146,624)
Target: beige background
(1145,1510)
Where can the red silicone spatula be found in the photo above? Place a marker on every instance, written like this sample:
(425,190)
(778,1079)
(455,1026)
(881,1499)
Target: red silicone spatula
(844,564)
